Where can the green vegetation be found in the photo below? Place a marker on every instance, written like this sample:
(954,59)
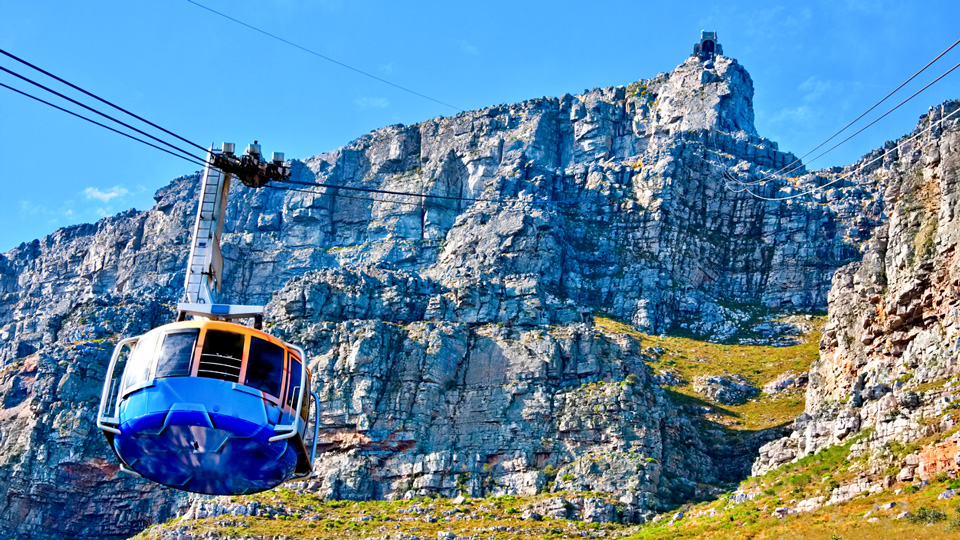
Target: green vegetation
(865,517)
(755,520)
(284,513)
(759,364)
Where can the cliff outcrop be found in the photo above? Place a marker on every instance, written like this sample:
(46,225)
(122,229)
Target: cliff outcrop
(889,350)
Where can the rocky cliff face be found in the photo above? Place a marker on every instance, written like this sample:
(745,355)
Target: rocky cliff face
(892,337)
(451,340)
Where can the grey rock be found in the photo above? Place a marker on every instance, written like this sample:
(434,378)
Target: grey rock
(530,515)
(725,389)
(667,378)
(786,381)
(781,512)
(909,400)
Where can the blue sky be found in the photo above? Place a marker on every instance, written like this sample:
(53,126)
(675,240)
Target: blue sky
(815,66)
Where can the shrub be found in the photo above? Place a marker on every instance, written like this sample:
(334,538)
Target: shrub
(928,516)
(797,480)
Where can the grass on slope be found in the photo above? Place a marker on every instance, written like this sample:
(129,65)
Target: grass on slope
(848,521)
(865,517)
(289,514)
(759,364)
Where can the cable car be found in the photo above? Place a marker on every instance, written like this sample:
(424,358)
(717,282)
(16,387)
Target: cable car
(210,407)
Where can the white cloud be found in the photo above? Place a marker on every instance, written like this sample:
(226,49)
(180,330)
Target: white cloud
(468,48)
(372,103)
(794,115)
(68,213)
(813,89)
(105,196)
(33,209)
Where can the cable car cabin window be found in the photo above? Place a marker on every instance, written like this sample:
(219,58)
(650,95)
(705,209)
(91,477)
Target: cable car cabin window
(138,367)
(265,366)
(305,410)
(176,352)
(221,356)
(293,382)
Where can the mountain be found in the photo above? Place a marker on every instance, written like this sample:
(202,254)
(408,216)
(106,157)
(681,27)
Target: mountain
(453,342)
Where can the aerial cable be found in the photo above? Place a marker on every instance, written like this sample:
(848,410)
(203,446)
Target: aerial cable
(742,183)
(91,109)
(849,174)
(98,98)
(388,192)
(410,194)
(874,106)
(327,58)
(727,176)
(197,161)
(340,195)
(194,160)
(879,118)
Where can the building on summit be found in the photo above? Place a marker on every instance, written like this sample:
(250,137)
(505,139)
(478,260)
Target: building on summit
(708,46)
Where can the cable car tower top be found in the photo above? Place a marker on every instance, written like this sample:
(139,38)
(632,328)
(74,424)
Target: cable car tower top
(205,262)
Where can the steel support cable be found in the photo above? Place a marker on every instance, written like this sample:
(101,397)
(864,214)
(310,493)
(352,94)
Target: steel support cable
(98,98)
(849,174)
(95,111)
(327,58)
(45,102)
(874,106)
(742,183)
(203,163)
(422,195)
(728,177)
(881,117)
(281,188)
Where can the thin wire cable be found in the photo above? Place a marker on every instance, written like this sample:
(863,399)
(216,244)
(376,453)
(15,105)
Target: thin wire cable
(283,188)
(403,193)
(95,111)
(98,98)
(847,175)
(203,163)
(874,106)
(194,161)
(327,58)
(879,118)
(754,183)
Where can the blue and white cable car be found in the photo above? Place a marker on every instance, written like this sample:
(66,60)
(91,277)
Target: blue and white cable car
(208,405)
